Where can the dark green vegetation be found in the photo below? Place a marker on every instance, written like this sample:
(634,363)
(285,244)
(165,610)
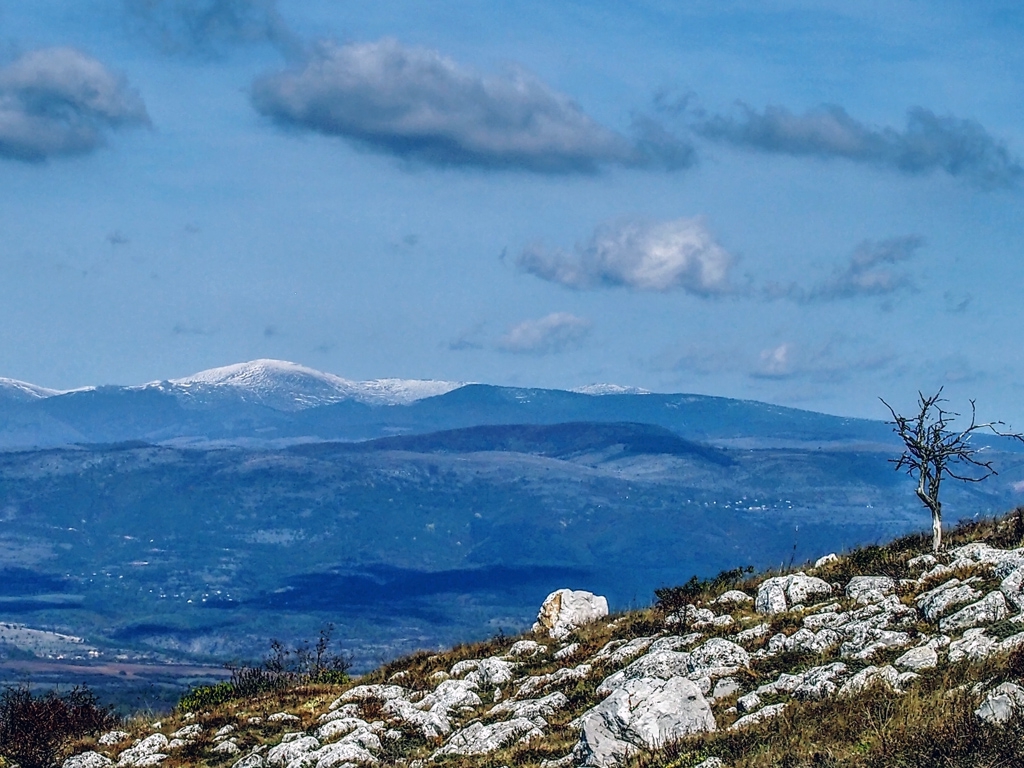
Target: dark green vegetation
(169,553)
(308,664)
(38,731)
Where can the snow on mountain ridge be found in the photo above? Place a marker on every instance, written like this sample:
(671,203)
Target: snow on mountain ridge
(610,389)
(291,387)
(23,391)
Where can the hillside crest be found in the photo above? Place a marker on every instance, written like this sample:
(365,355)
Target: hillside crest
(734,671)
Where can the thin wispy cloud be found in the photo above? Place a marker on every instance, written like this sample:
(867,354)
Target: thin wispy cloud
(58,102)
(557,332)
(675,255)
(929,142)
(870,271)
(206,26)
(418,105)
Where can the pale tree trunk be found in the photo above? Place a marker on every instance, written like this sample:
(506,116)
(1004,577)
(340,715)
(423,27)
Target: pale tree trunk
(936,530)
(931,500)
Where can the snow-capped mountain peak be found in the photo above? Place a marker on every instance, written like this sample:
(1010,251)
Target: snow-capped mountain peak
(12,389)
(288,386)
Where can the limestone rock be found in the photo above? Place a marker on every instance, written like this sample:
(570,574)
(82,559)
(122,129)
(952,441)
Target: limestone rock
(365,692)
(779,593)
(988,610)
(753,633)
(1012,587)
(527,648)
(869,676)
(564,675)
(565,610)
(1000,703)
(491,672)
(870,589)
(110,738)
(974,645)
(532,709)
(226,747)
(286,752)
(916,659)
(936,602)
(283,717)
(254,760)
(733,597)
(451,695)
(336,729)
(149,751)
(643,714)
(832,557)
(335,756)
(567,652)
(433,724)
(480,739)
(748,703)
(661,665)
(88,760)
(619,652)
(765,713)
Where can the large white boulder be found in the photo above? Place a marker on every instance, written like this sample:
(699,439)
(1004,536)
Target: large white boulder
(565,610)
(778,593)
(644,713)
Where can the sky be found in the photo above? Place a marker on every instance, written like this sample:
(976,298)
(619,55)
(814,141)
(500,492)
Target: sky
(814,204)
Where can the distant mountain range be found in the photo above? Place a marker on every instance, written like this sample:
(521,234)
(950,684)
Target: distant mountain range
(196,519)
(271,402)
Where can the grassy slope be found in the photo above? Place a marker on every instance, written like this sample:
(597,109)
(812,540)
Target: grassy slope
(931,725)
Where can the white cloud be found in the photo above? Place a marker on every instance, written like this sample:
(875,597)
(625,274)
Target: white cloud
(417,104)
(868,272)
(929,142)
(58,101)
(680,254)
(557,332)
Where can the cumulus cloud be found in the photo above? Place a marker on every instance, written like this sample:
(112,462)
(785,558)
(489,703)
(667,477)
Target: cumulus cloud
(680,254)
(929,142)
(835,361)
(868,272)
(202,26)
(419,105)
(58,101)
(557,332)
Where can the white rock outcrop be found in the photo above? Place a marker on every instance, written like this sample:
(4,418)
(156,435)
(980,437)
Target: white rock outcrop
(1001,703)
(88,760)
(779,593)
(480,739)
(642,714)
(566,610)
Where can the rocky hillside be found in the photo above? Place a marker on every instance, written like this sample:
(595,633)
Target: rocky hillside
(888,656)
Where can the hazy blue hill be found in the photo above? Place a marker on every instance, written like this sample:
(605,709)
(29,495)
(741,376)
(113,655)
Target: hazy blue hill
(156,413)
(554,440)
(417,540)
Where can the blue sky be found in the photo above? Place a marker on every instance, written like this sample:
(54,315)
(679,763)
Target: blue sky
(813,204)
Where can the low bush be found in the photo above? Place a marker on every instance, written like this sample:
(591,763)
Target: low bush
(306,664)
(671,599)
(38,731)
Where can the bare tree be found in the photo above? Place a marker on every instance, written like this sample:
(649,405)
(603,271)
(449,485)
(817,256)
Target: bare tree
(933,451)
